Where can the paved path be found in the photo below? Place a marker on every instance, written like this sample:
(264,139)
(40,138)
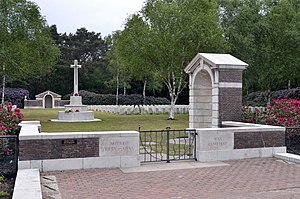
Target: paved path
(265,178)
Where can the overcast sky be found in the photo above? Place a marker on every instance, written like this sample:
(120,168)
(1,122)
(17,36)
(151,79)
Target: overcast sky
(102,16)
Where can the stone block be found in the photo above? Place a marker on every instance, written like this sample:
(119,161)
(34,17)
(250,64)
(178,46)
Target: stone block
(24,164)
(62,164)
(75,100)
(118,146)
(101,162)
(76,116)
(74,108)
(130,161)
(28,184)
(215,140)
(207,156)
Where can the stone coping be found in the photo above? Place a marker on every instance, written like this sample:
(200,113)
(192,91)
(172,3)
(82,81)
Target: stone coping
(72,121)
(73,135)
(28,184)
(31,132)
(288,157)
(242,127)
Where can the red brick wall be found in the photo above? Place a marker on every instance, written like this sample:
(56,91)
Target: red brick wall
(56,149)
(244,140)
(230,104)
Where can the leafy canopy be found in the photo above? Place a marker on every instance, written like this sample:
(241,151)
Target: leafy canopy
(26,47)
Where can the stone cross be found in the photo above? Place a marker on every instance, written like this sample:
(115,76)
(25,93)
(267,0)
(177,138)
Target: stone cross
(75,66)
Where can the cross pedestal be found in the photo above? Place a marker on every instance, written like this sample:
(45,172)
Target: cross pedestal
(76,100)
(75,111)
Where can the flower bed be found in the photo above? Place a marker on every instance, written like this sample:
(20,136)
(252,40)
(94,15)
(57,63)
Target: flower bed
(283,112)
(6,187)
(9,131)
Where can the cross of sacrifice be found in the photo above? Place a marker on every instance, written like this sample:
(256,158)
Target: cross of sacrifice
(75,66)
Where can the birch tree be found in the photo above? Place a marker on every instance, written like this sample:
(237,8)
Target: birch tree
(167,34)
(266,34)
(26,47)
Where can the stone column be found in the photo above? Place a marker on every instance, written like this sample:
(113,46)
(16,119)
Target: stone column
(230,94)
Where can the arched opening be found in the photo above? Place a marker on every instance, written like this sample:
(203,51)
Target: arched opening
(48,101)
(201,101)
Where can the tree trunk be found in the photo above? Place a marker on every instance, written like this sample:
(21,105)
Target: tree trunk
(172,110)
(175,88)
(3,85)
(144,91)
(117,93)
(124,91)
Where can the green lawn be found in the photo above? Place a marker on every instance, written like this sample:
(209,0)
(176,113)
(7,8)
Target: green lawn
(110,122)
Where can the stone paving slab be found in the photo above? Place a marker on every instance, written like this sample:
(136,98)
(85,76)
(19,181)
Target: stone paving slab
(265,178)
(50,188)
(162,166)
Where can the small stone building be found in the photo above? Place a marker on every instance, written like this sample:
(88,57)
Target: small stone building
(47,99)
(215,89)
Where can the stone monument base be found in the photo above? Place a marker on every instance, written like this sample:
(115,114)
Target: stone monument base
(74,108)
(87,116)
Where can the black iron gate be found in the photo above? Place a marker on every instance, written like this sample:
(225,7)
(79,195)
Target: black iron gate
(167,145)
(9,152)
(292,140)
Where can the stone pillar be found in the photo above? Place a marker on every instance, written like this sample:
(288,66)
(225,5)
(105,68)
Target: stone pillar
(215,89)
(230,94)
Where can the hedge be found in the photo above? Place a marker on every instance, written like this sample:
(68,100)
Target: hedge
(261,98)
(15,95)
(91,98)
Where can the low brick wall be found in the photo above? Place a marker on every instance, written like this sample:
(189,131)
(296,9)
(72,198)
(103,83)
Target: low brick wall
(64,151)
(239,141)
(58,148)
(261,139)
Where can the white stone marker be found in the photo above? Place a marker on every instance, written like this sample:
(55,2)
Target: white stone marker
(75,66)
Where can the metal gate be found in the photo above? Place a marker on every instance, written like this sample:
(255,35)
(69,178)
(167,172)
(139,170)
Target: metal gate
(167,145)
(292,140)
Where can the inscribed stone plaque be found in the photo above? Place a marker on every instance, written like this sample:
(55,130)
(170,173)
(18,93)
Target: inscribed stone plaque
(218,140)
(118,146)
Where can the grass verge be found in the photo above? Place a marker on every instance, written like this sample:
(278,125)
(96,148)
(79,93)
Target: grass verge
(110,121)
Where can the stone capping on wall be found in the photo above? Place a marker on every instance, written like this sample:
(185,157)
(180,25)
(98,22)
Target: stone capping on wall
(77,150)
(239,141)
(28,184)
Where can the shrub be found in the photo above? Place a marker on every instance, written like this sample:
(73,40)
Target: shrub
(9,120)
(261,98)
(282,112)
(15,95)
(91,98)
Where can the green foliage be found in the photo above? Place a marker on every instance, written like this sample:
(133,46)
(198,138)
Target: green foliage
(163,38)
(91,98)
(88,48)
(15,96)
(26,47)
(3,183)
(261,98)
(266,35)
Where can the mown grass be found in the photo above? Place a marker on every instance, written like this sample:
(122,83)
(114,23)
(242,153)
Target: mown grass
(110,122)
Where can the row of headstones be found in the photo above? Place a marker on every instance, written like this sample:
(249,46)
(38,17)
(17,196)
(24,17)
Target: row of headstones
(257,108)
(143,110)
